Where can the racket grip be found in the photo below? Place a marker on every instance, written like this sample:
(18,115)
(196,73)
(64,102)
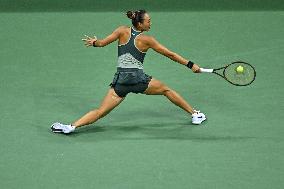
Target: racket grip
(204,70)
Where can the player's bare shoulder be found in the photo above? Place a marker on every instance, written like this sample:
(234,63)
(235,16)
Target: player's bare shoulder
(147,39)
(122,29)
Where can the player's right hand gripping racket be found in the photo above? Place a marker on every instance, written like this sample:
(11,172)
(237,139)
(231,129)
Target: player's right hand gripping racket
(239,77)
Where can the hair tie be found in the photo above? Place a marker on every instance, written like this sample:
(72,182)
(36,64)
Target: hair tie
(133,15)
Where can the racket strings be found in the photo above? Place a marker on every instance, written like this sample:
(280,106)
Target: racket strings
(245,77)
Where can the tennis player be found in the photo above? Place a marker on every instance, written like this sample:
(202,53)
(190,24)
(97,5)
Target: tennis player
(130,77)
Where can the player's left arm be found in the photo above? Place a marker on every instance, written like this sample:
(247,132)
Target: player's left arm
(89,41)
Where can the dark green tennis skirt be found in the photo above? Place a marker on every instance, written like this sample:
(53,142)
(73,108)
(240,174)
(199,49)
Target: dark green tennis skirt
(130,80)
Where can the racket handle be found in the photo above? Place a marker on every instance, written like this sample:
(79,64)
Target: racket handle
(204,70)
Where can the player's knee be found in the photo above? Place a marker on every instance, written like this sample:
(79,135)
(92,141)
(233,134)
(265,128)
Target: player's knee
(165,90)
(102,112)
(98,112)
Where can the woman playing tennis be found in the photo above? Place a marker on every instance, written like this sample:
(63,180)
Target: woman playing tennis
(130,77)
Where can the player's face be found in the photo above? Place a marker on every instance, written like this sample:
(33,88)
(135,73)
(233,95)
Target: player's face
(146,24)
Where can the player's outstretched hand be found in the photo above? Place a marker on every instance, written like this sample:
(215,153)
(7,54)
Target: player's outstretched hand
(89,40)
(195,68)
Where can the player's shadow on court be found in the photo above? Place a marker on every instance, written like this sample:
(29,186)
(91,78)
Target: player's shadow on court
(155,131)
(140,128)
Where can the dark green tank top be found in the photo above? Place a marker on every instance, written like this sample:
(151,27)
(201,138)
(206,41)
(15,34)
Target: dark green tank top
(129,56)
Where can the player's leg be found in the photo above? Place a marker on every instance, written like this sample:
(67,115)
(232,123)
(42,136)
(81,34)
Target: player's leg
(156,87)
(110,101)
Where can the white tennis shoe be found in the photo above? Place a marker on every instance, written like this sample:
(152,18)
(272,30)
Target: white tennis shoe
(61,128)
(198,117)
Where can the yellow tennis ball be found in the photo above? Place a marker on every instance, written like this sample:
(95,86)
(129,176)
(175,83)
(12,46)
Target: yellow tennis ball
(240,69)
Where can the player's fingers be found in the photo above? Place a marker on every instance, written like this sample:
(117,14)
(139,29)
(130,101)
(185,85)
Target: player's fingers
(196,69)
(87,37)
(88,43)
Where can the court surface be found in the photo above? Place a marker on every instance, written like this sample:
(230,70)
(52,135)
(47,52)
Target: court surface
(48,75)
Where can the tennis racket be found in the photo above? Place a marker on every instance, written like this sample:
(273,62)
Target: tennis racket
(238,73)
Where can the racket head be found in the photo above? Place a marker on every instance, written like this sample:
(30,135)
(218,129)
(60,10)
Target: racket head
(239,78)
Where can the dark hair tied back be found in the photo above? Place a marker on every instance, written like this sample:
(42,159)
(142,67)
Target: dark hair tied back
(136,16)
(130,14)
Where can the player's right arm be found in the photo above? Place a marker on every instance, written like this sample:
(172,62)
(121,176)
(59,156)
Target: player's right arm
(155,45)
